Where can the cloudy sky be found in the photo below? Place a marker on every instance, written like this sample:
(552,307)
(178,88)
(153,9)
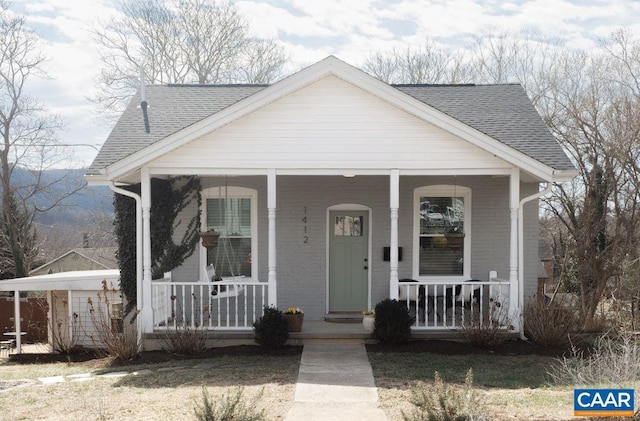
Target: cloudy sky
(309,30)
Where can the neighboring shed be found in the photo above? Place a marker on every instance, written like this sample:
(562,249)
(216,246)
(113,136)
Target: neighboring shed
(68,295)
(86,258)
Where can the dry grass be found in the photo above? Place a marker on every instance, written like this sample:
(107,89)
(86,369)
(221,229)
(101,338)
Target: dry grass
(501,404)
(170,395)
(510,387)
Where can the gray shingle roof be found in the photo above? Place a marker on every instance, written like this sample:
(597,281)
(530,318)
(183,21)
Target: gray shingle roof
(171,109)
(503,112)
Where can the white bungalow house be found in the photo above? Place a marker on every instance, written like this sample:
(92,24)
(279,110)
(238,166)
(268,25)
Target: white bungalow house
(329,187)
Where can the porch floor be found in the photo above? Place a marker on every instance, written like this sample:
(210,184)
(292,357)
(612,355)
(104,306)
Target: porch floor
(313,331)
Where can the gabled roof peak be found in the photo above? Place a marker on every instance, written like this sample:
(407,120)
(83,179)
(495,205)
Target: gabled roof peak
(180,113)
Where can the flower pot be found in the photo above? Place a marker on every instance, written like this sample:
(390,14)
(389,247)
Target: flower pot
(368,322)
(209,239)
(294,321)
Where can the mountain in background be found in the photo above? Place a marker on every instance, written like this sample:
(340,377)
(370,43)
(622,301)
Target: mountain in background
(84,219)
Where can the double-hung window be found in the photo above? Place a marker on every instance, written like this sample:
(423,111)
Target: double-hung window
(441,231)
(231,211)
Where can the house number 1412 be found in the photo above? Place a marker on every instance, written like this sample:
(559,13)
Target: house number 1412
(304,225)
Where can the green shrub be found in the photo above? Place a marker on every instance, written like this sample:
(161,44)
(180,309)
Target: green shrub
(393,322)
(271,330)
(230,407)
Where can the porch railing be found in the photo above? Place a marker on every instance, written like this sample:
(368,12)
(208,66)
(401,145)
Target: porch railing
(232,304)
(457,305)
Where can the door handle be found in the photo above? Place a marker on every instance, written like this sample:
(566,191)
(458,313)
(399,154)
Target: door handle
(366,267)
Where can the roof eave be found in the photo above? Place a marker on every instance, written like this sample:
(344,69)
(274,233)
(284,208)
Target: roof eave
(562,176)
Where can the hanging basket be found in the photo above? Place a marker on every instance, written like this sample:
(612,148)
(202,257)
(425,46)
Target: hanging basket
(209,239)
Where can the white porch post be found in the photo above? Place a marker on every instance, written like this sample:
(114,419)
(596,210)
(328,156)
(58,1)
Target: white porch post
(514,203)
(16,315)
(271,214)
(70,316)
(394,204)
(146,312)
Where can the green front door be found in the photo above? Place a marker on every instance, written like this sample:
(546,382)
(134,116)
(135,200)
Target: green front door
(348,261)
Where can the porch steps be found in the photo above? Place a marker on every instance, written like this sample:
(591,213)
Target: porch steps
(343,318)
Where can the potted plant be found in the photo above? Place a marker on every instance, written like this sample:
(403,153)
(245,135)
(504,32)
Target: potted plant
(368,320)
(454,237)
(294,317)
(209,238)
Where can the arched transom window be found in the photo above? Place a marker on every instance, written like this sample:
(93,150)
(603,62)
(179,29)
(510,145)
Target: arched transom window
(232,211)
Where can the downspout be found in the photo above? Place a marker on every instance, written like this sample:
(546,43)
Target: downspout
(139,272)
(521,251)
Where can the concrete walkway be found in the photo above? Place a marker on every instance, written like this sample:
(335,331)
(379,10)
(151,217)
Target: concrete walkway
(335,382)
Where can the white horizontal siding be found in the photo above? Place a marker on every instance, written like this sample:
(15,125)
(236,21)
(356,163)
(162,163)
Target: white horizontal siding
(330,124)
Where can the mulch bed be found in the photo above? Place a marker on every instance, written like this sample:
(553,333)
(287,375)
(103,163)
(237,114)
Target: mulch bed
(151,356)
(446,347)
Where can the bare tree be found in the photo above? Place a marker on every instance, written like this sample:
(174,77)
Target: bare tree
(596,118)
(526,57)
(29,145)
(427,64)
(179,41)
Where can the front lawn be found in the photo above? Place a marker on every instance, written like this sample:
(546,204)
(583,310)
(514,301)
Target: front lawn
(153,390)
(510,386)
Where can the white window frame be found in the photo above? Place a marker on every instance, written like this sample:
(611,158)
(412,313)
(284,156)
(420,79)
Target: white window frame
(233,192)
(442,191)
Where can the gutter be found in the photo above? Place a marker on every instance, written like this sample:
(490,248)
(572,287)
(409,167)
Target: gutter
(139,272)
(521,250)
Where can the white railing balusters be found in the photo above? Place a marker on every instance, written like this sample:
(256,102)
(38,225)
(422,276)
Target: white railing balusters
(440,308)
(225,304)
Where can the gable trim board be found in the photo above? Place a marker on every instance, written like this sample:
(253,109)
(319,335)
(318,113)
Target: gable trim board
(334,67)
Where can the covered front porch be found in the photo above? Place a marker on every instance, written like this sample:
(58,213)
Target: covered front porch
(297,270)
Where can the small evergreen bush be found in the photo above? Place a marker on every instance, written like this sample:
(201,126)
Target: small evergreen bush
(393,322)
(271,330)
